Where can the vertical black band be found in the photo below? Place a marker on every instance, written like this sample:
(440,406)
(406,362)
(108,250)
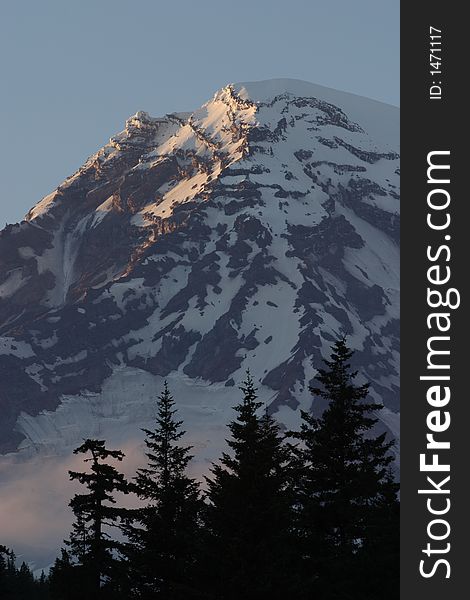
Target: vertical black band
(434,130)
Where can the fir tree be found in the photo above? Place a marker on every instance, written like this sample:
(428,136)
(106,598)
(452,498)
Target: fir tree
(163,533)
(25,583)
(379,558)
(7,573)
(19,584)
(90,545)
(65,579)
(248,516)
(42,587)
(345,493)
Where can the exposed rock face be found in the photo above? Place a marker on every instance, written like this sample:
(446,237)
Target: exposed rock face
(249,233)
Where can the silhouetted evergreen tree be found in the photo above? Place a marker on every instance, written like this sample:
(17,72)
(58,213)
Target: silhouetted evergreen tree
(94,550)
(248,518)
(25,583)
(346,497)
(64,579)
(164,532)
(42,587)
(7,573)
(380,554)
(19,584)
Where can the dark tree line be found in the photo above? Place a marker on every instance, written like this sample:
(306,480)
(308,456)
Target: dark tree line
(19,583)
(311,514)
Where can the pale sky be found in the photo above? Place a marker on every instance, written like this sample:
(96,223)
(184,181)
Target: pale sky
(73,71)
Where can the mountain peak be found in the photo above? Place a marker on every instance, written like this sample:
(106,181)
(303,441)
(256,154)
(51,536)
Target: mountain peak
(378,118)
(250,232)
(261,91)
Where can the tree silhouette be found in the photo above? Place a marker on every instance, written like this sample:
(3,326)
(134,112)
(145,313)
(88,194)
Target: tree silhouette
(248,517)
(345,490)
(90,544)
(163,533)
(19,584)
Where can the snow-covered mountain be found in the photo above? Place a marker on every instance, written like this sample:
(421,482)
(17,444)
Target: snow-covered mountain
(248,233)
